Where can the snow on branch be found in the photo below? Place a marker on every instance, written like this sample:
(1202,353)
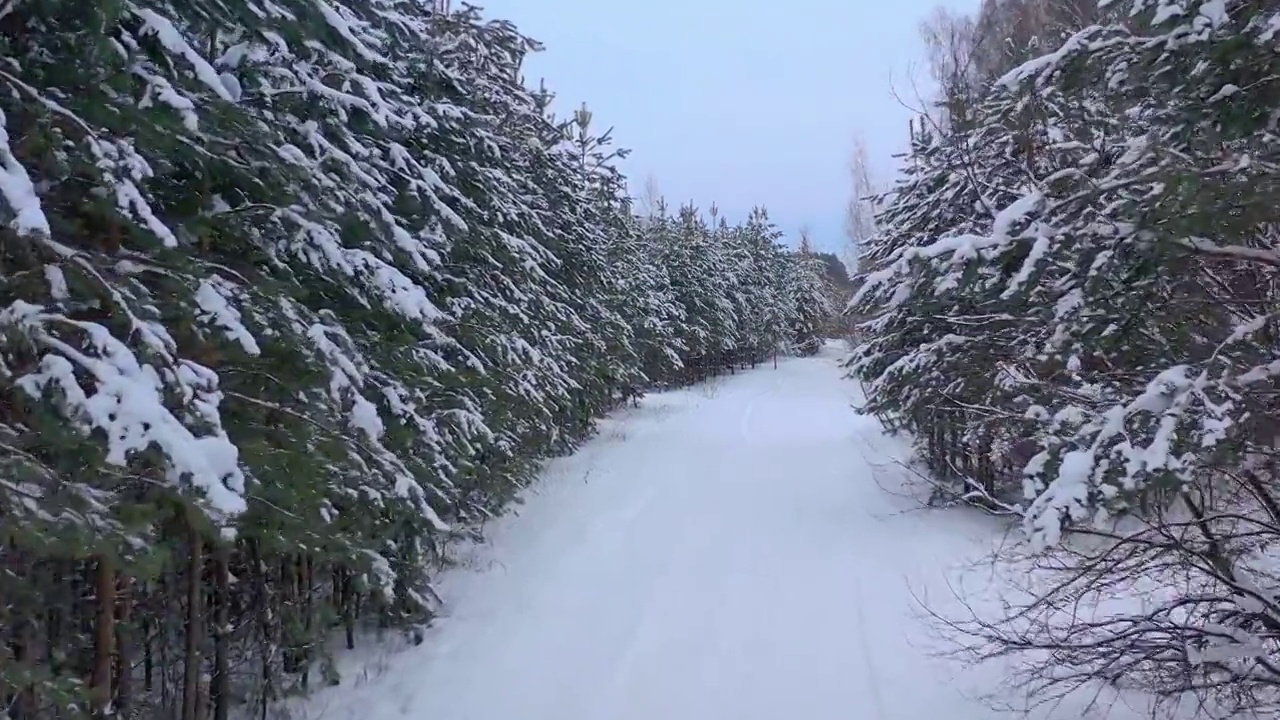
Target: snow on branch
(173,41)
(126,404)
(1175,412)
(18,191)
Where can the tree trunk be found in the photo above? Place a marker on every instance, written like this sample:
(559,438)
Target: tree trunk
(23,706)
(17,633)
(348,609)
(304,581)
(221,626)
(123,693)
(148,665)
(191,661)
(264,600)
(82,582)
(168,584)
(59,609)
(104,636)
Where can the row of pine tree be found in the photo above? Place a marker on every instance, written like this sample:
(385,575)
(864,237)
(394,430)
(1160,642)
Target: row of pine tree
(295,294)
(1071,304)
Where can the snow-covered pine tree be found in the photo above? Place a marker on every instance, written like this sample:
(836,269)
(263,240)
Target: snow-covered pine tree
(810,298)
(943,342)
(293,291)
(650,304)
(767,309)
(187,337)
(1114,303)
(679,243)
(623,298)
(296,293)
(712,295)
(722,255)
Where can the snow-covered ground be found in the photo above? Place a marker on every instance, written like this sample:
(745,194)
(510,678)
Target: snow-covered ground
(725,552)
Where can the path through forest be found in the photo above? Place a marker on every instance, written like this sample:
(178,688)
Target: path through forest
(724,552)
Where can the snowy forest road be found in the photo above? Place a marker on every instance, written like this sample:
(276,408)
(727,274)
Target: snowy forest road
(721,552)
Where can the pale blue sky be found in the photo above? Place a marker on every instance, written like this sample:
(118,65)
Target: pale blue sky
(737,101)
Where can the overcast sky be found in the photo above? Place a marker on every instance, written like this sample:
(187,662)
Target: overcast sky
(740,102)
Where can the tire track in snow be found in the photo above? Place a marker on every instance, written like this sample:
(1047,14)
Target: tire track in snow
(872,677)
(744,422)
